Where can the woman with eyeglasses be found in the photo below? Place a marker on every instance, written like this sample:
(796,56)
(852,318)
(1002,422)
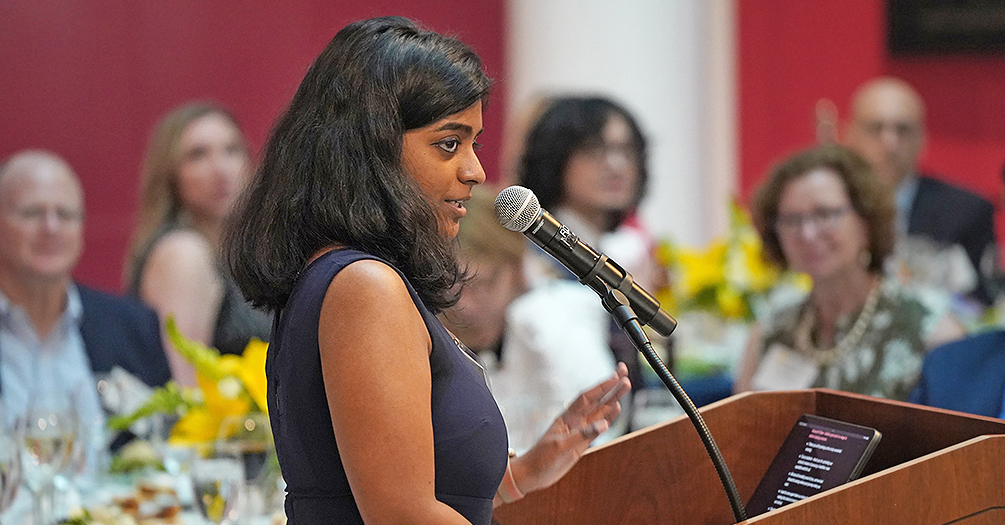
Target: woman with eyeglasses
(585,160)
(822,212)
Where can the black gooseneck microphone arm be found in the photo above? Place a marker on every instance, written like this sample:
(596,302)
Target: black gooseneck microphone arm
(617,304)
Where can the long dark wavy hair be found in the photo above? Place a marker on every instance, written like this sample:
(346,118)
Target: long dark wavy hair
(331,171)
(569,125)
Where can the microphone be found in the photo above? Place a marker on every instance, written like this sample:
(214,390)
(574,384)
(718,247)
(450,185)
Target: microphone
(518,209)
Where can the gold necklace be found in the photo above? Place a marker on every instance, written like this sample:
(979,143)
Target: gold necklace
(827,356)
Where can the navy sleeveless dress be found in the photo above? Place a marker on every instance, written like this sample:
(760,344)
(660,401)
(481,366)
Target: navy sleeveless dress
(468,430)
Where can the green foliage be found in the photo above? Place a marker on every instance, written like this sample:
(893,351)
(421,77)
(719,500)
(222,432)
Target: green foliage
(168,399)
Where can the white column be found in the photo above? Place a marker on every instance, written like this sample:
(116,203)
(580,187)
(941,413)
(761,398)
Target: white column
(670,63)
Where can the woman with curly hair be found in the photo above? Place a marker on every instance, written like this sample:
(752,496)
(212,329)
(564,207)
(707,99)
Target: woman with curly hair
(822,212)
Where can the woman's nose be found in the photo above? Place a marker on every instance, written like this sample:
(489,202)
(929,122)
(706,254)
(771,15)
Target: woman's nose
(471,171)
(809,230)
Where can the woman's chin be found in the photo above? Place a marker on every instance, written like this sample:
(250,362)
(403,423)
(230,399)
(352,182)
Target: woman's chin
(830,273)
(450,229)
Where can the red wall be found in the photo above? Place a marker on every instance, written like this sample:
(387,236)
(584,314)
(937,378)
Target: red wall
(89,78)
(792,53)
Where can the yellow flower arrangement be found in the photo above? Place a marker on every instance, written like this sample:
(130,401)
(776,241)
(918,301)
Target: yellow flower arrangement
(231,389)
(726,278)
(226,412)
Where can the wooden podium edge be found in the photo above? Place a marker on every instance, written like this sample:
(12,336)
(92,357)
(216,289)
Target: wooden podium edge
(933,466)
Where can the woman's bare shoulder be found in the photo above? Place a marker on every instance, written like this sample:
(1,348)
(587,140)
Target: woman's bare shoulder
(182,243)
(367,280)
(181,256)
(182,240)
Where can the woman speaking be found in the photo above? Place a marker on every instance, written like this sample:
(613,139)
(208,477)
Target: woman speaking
(346,233)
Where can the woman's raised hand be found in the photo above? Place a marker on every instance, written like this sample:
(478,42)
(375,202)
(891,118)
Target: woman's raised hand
(569,436)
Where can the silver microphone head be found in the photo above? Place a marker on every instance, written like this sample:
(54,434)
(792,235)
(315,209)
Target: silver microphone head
(517,208)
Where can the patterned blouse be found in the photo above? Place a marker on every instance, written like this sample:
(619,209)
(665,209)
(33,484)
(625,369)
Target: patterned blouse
(877,353)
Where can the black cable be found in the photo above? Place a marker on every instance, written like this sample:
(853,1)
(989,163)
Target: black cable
(616,303)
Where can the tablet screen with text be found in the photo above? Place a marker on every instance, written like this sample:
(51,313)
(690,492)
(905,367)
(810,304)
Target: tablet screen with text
(818,454)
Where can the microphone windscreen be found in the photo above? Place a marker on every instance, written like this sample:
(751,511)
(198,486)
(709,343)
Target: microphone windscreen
(517,208)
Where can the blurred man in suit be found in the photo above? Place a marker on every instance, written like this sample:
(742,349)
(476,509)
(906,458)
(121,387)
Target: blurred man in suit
(966,375)
(888,128)
(57,336)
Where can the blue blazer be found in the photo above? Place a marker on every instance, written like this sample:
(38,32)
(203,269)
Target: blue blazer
(124,332)
(966,375)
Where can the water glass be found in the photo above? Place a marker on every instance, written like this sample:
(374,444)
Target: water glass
(218,483)
(49,446)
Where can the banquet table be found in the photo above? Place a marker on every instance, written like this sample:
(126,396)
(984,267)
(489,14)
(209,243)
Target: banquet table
(101,493)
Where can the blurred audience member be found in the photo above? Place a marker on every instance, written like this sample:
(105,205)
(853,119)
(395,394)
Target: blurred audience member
(585,159)
(557,341)
(887,128)
(493,257)
(540,348)
(966,375)
(823,213)
(196,165)
(56,335)
(991,267)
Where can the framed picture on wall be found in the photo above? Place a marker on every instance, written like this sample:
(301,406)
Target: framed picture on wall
(943,26)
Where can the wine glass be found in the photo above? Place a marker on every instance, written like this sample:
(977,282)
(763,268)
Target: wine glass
(11,432)
(249,437)
(218,483)
(49,437)
(174,457)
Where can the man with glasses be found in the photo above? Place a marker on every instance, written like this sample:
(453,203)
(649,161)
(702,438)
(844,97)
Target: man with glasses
(57,336)
(887,128)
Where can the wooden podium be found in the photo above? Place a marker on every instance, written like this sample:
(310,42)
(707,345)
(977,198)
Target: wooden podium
(931,466)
